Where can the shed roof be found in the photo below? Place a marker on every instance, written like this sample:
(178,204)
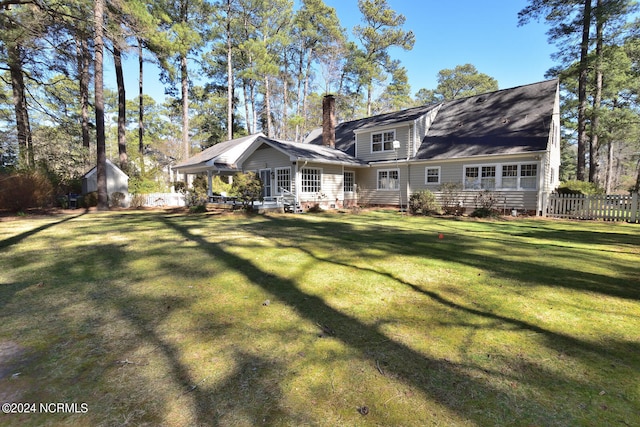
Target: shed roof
(111,166)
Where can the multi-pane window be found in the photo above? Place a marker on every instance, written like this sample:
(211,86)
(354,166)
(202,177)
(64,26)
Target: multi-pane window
(383,141)
(388,179)
(311,180)
(488,181)
(472,178)
(432,175)
(528,176)
(510,176)
(501,177)
(349,180)
(283,180)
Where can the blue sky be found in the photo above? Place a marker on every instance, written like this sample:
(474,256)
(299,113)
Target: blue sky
(484,33)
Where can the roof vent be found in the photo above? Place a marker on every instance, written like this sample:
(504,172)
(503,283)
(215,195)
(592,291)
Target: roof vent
(479,100)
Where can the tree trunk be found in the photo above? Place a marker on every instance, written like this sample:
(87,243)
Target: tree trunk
(594,148)
(122,109)
(141,102)
(267,104)
(305,95)
(369,97)
(229,76)
(101,166)
(25,142)
(582,91)
(609,178)
(247,117)
(300,97)
(185,107)
(83,76)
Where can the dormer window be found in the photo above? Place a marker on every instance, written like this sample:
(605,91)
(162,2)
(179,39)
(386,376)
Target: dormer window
(382,141)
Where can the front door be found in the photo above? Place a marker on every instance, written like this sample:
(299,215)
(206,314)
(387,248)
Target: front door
(265,177)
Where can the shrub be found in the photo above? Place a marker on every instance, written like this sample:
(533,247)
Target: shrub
(196,197)
(137,201)
(89,200)
(180,187)
(247,187)
(141,185)
(486,203)
(116,199)
(450,199)
(423,203)
(25,190)
(579,187)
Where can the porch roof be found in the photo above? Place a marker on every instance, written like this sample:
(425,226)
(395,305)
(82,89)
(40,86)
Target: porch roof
(312,153)
(223,156)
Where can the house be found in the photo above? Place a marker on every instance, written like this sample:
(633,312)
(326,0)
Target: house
(507,141)
(117,180)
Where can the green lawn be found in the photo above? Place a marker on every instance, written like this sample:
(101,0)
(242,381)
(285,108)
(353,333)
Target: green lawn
(154,318)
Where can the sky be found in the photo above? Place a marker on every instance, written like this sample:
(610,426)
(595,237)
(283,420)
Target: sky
(448,33)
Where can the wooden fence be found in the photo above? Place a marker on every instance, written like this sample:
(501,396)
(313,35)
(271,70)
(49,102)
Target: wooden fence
(608,208)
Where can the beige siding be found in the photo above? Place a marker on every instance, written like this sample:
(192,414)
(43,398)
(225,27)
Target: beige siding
(368,193)
(266,157)
(453,172)
(363,144)
(332,186)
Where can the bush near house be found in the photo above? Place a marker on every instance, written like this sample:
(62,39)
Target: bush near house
(247,187)
(423,203)
(486,203)
(450,195)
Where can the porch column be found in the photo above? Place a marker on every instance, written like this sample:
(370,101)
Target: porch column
(209,184)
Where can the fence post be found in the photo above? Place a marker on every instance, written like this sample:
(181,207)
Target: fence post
(635,215)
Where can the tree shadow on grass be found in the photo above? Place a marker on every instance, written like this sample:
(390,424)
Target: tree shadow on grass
(463,249)
(556,340)
(435,377)
(20,237)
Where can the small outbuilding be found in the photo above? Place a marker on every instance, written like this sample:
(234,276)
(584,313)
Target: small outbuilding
(117,180)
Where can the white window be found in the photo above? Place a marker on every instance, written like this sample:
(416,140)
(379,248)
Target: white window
(501,177)
(283,180)
(432,175)
(528,176)
(311,180)
(510,177)
(488,180)
(388,179)
(349,180)
(472,178)
(382,141)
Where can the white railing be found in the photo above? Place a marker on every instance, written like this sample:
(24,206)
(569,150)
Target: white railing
(606,207)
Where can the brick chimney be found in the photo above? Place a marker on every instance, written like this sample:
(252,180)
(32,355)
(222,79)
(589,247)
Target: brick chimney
(329,121)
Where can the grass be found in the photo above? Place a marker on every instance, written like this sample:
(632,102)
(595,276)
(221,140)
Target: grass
(154,318)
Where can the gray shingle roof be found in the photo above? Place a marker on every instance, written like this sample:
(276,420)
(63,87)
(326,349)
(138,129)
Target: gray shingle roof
(313,153)
(508,121)
(223,155)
